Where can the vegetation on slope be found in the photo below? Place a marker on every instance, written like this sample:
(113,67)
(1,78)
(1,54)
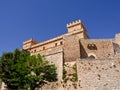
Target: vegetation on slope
(19,70)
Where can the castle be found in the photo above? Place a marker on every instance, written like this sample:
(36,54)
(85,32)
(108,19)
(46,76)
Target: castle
(95,58)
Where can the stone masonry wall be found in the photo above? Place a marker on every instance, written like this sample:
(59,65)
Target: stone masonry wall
(57,59)
(55,56)
(100,48)
(71,48)
(98,74)
(38,49)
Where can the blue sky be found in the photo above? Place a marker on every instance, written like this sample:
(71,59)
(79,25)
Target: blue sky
(21,20)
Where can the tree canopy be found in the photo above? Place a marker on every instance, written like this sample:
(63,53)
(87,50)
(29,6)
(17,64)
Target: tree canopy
(19,70)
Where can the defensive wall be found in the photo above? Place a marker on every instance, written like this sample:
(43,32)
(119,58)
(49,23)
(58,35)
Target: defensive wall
(98,74)
(99,48)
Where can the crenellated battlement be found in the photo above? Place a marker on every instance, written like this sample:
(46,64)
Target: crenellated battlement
(75,26)
(77,22)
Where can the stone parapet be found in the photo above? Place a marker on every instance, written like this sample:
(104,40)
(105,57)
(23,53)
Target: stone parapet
(74,23)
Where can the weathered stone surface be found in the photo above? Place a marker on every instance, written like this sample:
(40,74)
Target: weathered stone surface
(56,57)
(97,74)
(99,48)
(71,48)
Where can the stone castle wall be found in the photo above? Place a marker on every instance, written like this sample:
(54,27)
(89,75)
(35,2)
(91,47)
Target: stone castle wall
(99,48)
(44,46)
(97,74)
(93,74)
(71,48)
(56,57)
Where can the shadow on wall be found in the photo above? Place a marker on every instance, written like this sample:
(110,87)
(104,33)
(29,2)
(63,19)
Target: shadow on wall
(116,48)
(83,52)
(86,55)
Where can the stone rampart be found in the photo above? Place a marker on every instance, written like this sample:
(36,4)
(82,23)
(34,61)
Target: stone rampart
(98,74)
(99,48)
(55,56)
(71,48)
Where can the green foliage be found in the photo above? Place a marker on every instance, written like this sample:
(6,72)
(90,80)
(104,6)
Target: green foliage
(74,77)
(75,67)
(70,77)
(64,73)
(19,70)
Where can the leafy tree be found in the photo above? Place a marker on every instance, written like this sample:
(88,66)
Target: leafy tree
(19,70)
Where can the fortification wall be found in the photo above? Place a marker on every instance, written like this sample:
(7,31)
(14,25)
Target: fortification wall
(71,48)
(98,74)
(99,48)
(56,57)
(45,47)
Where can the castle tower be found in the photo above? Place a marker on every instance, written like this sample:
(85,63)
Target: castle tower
(76,31)
(74,26)
(77,27)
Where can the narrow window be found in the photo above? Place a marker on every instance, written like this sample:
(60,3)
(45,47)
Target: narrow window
(55,44)
(43,48)
(61,43)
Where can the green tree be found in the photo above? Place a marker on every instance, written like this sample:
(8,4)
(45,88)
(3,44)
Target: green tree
(19,70)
